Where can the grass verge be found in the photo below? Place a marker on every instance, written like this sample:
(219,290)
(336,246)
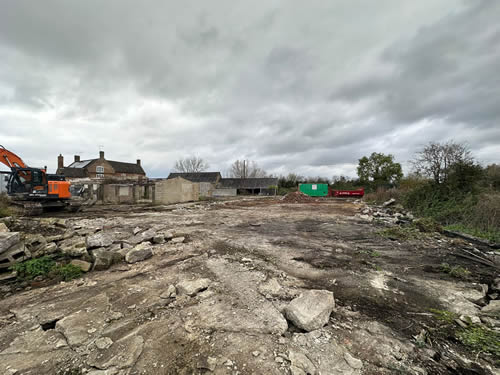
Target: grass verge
(46,267)
(476,337)
(490,235)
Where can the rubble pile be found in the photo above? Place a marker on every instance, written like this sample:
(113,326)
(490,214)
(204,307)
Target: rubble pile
(89,248)
(245,289)
(297,197)
(388,212)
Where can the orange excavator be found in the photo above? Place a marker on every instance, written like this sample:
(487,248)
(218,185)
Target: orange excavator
(33,188)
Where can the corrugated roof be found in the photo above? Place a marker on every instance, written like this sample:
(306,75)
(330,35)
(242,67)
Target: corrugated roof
(211,177)
(247,183)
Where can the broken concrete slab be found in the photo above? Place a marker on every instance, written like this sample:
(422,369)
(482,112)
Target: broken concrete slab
(8,240)
(191,287)
(389,202)
(178,240)
(139,253)
(145,236)
(83,265)
(79,327)
(74,247)
(270,287)
(352,361)
(4,228)
(103,343)
(103,258)
(169,293)
(300,364)
(311,310)
(493,308)
(99,239)
(122,354)
(35,340)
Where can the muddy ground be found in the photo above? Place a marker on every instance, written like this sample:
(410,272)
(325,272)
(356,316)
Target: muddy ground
(257,255)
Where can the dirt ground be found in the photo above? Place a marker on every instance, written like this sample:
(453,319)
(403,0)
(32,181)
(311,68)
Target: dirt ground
(258,255)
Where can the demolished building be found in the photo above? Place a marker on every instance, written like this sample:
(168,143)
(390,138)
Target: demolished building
(207,180)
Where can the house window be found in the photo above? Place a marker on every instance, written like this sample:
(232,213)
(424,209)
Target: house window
(99,172)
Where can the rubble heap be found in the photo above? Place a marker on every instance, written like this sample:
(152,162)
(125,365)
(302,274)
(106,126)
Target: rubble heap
(297,197)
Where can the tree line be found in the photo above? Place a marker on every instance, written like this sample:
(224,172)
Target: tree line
(443,163)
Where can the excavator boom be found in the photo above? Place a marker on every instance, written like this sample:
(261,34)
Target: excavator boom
(10,159)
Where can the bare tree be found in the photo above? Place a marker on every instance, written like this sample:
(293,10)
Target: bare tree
(436,159)
(246,169)
(191,164)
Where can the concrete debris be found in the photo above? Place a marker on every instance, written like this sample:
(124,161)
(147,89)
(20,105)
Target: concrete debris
(8,240)
(122,354)
(169,293)
(143,237)
(178,240)
(158,239)
(74,247)
(103,343)
(4,228)
(300,364)
(191,287)
(311,310)
(353,362)
(12,250)
(493,308)
(83,265)
(389,202)
(297,197)
(139,253)
(209,363)
(270,287)
(103,258)
(100,239)
(228,300)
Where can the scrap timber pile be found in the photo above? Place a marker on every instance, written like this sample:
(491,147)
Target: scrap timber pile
(298,197)
(333,287)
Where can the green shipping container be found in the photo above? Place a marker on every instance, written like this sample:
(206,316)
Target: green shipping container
(314,190)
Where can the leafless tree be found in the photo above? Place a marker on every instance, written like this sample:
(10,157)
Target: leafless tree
(246,169)
(191,164)
(435,159)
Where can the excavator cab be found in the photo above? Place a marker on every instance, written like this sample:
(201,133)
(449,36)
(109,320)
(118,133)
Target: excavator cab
(27,181)
(33,183)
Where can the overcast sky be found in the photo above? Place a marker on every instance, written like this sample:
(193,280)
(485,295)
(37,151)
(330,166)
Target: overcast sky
(298,86)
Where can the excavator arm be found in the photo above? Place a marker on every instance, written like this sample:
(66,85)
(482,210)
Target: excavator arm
(10,159)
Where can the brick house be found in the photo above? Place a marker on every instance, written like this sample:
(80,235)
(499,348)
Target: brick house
(100,169)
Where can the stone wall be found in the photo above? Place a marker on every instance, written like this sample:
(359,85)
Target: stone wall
(118,193)
(91,190)
(224,193)
(176,190)
(206,189)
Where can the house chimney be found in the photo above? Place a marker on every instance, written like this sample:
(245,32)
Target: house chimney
(77,158)
(101,155)
(139,162)
(60,161)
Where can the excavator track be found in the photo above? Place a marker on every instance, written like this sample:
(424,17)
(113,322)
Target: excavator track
(28,208)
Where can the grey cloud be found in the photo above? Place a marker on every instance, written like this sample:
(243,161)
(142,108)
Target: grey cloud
(305,87)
